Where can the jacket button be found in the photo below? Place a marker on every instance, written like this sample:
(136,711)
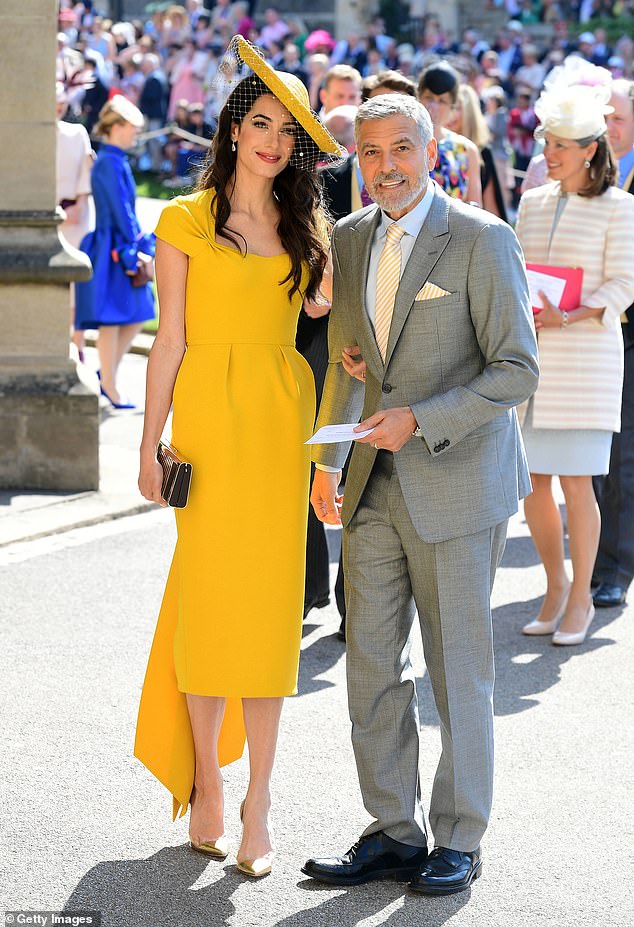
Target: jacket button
(437,448)
(387,388)
(446,442)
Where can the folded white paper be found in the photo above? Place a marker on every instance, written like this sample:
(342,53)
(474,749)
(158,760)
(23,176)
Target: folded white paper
(553,287)
(336,434)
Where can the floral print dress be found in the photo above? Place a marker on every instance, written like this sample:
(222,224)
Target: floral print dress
(451,170)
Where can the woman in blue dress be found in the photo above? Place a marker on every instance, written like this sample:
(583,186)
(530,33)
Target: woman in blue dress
(109,301)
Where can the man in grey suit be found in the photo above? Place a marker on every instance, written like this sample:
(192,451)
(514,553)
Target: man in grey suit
(429,491)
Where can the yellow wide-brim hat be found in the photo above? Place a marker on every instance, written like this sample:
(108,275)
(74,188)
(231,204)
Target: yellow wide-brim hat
(291,92)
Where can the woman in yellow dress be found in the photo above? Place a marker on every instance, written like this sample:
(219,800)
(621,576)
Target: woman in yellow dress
(234,262)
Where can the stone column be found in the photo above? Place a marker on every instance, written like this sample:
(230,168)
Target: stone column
(49,420)
(352,16)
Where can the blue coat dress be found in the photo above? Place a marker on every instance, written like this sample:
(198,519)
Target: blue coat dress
(109,298)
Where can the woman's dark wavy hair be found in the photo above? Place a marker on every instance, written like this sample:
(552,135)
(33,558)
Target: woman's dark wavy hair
(303,225)
(603,170)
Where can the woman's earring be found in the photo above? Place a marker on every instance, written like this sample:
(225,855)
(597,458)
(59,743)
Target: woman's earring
(233,148)
(586,163)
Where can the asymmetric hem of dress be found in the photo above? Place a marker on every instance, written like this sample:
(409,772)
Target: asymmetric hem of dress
(244,404)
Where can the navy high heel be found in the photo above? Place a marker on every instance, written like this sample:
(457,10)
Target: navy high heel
(117,405)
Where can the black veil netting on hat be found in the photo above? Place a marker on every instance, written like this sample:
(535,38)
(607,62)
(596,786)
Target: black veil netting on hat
(244,86)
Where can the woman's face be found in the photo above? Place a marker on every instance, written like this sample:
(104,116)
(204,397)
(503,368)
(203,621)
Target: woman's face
(265,138)
(438,105)
(566,161)
(455,119)
(123,135)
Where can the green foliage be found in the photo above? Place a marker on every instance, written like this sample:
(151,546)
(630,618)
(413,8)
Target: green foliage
(148,185)
(615,27)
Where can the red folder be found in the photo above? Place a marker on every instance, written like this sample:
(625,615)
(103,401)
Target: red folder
(571,296)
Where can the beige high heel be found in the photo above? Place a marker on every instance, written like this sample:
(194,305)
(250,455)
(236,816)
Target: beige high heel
(261,865)
(536,626)
(568,638)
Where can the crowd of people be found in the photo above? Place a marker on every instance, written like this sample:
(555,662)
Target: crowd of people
(421,319)
(169,66)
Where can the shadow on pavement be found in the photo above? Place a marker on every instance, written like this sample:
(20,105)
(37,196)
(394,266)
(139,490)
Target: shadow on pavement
(364,901)
(316,660)
(162,890)
(527,666)
(157,890)
(524,666)
(519,553)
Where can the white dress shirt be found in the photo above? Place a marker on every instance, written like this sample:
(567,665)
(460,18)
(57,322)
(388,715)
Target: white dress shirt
(412,223)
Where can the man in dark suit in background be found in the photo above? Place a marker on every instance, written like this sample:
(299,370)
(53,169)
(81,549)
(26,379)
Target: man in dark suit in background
(153,105)
(344,192)
(614,566)
(312,343)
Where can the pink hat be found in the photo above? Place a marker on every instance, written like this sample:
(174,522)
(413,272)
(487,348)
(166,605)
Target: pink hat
(318,38)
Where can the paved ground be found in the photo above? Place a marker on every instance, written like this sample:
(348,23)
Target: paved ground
(86,827)
(30,514)
(35,514)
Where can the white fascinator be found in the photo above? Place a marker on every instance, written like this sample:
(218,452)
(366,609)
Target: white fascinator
(574,101)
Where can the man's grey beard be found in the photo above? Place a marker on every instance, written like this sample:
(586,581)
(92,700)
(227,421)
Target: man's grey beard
(396,204)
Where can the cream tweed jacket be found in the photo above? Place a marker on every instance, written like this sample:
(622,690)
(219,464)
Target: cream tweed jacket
(581,366)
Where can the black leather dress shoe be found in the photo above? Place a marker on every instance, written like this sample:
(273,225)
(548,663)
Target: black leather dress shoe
(447,871)
(374,857)
(608,595)
(321,602)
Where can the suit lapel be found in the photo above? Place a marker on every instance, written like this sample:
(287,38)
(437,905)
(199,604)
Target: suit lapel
(432,240)
(362,239)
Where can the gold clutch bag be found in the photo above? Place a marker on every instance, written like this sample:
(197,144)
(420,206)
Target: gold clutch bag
(177,475)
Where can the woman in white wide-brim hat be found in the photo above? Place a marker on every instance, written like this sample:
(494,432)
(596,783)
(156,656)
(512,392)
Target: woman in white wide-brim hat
(235,261)
(580,220)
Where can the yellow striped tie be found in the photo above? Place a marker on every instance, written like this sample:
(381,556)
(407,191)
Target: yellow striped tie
(387,281)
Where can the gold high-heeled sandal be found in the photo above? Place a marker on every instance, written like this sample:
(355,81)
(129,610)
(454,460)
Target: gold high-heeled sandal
(261,865)
(217,848)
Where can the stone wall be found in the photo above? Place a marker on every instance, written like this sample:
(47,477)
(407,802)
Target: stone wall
(48,417)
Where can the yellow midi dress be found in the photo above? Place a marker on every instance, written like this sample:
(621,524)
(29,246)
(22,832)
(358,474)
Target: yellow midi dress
(244,404)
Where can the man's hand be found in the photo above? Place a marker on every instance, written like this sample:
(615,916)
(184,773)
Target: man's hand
(392,428)
(324,497)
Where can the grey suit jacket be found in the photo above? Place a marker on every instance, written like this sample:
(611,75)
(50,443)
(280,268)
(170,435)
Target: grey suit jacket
(462,362)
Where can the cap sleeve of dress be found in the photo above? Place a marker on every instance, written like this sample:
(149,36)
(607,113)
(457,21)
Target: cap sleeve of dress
(179,227)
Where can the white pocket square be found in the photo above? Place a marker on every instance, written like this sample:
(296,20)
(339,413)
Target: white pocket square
(431,291)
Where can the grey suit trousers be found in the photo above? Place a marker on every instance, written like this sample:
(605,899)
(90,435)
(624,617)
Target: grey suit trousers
(390,571)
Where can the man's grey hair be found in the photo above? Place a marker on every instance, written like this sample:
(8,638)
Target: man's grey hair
(395,104)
